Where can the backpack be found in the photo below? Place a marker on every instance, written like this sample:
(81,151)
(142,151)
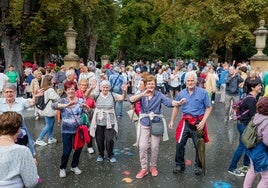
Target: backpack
(41,105)
(250,135)
(237,108)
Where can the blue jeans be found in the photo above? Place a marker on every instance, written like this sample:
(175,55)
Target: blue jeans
(67,141)
(48,129)
(240,150)
(240,93)
(119,106)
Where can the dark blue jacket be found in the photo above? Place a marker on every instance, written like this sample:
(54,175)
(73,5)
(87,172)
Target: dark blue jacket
(259,157)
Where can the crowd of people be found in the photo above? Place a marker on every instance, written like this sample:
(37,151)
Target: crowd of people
(99,92)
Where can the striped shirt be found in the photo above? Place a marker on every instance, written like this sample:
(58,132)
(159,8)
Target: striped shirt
(106,103)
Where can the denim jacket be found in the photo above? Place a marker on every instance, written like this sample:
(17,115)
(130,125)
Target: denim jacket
(259,157)
(259,154)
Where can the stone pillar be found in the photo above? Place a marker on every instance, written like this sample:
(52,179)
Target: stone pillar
(71,59)
(104,60)
(214,56)
(260,59)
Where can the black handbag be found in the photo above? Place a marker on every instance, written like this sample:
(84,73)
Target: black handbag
(157,129)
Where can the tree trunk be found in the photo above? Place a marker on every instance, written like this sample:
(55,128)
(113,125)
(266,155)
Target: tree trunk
(122,54)
(12,51)
(93,39)
(229,55)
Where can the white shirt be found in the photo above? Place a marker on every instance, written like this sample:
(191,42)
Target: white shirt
(3,80)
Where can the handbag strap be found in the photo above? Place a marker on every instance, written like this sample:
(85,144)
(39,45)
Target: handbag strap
(132,115)
(114,82)
(74,117)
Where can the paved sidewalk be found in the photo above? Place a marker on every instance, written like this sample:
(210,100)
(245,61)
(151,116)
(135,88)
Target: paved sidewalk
(219,151)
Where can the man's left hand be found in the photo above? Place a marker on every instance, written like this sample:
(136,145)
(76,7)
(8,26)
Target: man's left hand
(200,126)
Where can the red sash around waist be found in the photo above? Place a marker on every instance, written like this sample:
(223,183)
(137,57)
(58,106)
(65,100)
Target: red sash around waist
(192,122)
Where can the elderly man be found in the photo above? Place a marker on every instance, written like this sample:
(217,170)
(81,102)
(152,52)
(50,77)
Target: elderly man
(195,112)
(18,104)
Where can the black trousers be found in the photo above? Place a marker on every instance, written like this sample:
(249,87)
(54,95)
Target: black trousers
(105,138)
(67,141)
(188,132)
(90,144)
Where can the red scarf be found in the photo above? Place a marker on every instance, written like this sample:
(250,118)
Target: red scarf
(192,121)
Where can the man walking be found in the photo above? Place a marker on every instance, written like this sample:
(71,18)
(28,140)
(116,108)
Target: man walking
(231,92)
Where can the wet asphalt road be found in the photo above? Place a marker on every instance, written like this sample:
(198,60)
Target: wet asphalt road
(223,141)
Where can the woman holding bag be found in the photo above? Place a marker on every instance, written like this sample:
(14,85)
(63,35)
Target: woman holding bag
(151,101)
(82,92)
(71,111)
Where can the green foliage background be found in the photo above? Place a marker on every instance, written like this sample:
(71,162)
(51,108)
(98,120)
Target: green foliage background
(138,29)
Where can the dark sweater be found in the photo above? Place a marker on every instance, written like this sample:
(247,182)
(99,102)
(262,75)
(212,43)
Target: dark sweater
(248,103)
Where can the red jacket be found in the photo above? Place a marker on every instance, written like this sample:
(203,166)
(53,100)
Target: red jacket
(89,102)
(192,121)
(81,137)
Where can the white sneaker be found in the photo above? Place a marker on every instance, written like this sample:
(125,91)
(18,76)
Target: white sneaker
(236,172)
(90,150)
(40,142)
(62,173)
(76,170)
(52,140)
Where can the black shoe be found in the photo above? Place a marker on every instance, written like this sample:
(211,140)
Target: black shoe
(198,171)
(178,169)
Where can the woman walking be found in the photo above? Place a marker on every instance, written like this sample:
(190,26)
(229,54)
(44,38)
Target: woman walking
(50,95)
(259,155)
